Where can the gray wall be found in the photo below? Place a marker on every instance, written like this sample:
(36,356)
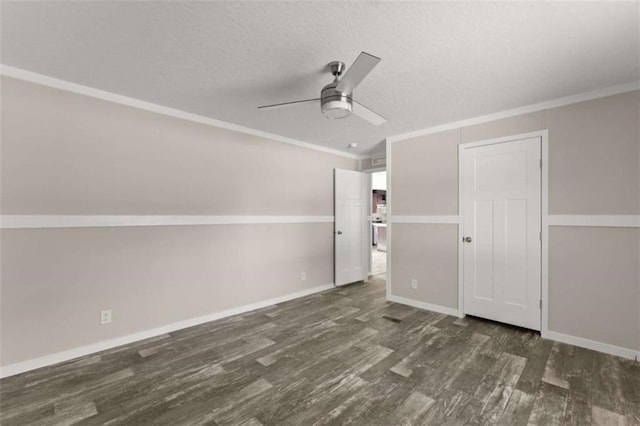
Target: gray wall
(594,168)
(68,154)
(64,153)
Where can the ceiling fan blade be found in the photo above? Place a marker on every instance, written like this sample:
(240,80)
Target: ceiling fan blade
(362,66)
(284,104)
(364,112)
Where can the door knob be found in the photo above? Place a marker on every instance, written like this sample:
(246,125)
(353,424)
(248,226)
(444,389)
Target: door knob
(467,239)
(339,232)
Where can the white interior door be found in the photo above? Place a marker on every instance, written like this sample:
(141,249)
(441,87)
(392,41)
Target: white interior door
(501,231)
(351,226)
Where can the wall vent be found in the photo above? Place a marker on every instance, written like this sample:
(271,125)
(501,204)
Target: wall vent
(379,161)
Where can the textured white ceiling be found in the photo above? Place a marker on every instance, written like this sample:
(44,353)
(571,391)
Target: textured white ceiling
(441,61)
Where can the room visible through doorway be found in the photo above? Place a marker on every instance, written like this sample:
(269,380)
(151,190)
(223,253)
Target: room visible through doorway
(378,223)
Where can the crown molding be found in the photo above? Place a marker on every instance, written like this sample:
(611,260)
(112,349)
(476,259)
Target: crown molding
(554,103)
(68,86)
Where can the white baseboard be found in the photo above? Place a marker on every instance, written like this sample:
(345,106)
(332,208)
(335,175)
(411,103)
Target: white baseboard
(427,306)
(44,361)
(551,335)
(47,360)
(592,344)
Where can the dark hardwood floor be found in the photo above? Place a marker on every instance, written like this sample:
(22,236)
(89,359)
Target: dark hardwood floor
(336,357)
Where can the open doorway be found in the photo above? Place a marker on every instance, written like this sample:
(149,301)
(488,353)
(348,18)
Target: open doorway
(378,223)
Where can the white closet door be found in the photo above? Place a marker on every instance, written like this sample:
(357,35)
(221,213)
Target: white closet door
(501,232)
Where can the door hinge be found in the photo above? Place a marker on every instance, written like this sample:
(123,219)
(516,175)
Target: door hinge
(541,164)
(540,303)
(540,236)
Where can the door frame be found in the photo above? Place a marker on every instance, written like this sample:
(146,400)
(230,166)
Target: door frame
(370,172)
(544,218)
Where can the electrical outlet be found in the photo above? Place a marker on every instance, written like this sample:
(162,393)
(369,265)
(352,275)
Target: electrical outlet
(303,276)
(105,316)
(414,283)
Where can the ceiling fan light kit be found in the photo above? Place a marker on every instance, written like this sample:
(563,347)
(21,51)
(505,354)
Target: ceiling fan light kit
(336,98)
(336,108)
(335,104)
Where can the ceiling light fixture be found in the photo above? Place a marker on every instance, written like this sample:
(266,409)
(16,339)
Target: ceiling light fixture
(335,104)
(353,144)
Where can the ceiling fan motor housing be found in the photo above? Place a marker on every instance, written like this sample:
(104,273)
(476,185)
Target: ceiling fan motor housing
(334,103)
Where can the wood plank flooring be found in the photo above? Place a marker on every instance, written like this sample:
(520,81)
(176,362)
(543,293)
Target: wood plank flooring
(331,358)
(378,261)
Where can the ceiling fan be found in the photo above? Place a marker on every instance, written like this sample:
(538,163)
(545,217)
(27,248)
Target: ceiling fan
(336,98)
